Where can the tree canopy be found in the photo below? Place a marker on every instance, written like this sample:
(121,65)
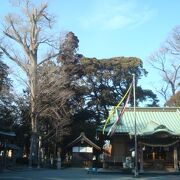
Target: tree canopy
(102,85)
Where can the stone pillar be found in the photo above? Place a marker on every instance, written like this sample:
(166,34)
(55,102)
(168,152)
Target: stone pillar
(153,155)
(59,158)
(104,161)
(42,156)
(39,152)
(175,158)
(141,159)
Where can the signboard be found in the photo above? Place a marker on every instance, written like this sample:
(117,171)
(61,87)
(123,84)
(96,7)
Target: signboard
(82,149)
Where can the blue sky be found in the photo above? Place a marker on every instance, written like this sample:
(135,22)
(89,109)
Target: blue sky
(111,28)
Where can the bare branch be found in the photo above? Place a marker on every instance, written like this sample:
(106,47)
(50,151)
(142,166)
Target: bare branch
(15,59)
(166,61)
(49,56)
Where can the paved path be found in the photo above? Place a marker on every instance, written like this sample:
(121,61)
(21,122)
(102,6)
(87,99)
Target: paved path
(74,174)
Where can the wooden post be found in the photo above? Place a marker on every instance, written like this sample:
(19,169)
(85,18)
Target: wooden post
(141,159)
(175,158)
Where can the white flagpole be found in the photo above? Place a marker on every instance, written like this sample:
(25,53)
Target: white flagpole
(135,129)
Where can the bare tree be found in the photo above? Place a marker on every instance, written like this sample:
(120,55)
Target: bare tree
(167,61)
(24,37)
(54,96)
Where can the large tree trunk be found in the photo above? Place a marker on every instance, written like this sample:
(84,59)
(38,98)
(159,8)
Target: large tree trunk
(33,149)
(34,123)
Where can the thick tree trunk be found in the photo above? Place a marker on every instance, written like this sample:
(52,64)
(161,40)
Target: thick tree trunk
(33,156)
(34,137)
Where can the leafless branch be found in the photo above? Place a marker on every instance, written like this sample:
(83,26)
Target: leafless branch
(166,61)
(48,57)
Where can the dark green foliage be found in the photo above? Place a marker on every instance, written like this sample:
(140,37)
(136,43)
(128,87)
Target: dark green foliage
(102,84)
(69,59)
(105,81)
(7,109)
(68,49)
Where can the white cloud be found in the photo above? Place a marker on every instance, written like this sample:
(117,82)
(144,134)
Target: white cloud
(117,22)
(116,14)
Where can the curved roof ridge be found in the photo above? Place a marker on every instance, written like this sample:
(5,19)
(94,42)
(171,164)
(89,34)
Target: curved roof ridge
(82,137)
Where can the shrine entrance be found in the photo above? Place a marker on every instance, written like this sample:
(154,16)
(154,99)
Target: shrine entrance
(157,156)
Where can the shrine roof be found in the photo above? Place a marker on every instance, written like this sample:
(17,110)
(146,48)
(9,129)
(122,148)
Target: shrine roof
(148,121)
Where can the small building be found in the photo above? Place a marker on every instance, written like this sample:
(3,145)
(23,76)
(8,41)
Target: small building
(8,150)
(158,139)
(81,152)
